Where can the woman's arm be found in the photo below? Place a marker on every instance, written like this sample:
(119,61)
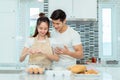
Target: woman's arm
(24,54)
(53,57)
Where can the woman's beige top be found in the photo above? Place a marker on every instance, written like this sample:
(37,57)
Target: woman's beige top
(40,59)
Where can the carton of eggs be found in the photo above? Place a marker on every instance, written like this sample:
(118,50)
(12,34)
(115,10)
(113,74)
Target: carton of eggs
(34,69)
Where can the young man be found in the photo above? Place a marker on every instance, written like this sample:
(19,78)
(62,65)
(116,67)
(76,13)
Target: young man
(66,36)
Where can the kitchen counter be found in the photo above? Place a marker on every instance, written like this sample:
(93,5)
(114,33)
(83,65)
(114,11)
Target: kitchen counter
(106,73)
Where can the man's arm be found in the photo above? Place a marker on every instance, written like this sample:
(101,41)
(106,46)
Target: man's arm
(78,53)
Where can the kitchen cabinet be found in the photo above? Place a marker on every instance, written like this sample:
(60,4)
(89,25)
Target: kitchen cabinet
(86,9)
(65,5)
(75,9)
(8,20)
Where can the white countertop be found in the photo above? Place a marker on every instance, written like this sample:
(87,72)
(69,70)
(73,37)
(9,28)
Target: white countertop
(107,73)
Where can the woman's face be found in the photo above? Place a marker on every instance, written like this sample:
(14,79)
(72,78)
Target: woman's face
(42,28)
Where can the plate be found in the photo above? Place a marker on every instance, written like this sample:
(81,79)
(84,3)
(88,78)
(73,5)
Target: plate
(87,76)
(91,72)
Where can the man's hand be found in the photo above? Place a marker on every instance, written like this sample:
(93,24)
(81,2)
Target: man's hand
(64,50)
(77,53)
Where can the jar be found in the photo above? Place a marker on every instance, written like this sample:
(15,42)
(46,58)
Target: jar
(94,60)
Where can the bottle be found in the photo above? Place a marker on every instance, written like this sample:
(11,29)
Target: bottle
(99,60)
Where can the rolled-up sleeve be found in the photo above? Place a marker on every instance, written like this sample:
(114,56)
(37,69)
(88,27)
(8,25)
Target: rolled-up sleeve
(76,39)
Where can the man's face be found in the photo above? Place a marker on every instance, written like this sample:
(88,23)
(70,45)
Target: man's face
(58,25)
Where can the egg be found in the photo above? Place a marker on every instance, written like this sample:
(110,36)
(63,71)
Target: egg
(35,70)
(41,70)
(30,70)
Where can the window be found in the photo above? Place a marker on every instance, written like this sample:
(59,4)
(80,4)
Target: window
(106,39)
(33,18)
(107,43)
(34,8)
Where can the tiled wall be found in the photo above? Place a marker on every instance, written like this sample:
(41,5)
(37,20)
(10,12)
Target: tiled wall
(89,36)
(46,7)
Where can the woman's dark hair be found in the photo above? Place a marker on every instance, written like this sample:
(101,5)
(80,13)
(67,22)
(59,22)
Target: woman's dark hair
(58,14)
(41,14)
(39,21)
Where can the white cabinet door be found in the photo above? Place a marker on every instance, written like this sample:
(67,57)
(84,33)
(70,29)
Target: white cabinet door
(65,5)
(85,9)
(7,40)
(8,32)
(7,6)
(81,9)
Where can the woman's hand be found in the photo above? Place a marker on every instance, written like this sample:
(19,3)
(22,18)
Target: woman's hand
(34,51)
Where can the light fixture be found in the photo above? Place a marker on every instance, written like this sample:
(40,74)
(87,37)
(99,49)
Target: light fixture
(41,0)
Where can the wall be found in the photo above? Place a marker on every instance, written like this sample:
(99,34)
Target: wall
(117,20)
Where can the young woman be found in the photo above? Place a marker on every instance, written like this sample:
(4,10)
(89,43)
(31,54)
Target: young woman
(38,46)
